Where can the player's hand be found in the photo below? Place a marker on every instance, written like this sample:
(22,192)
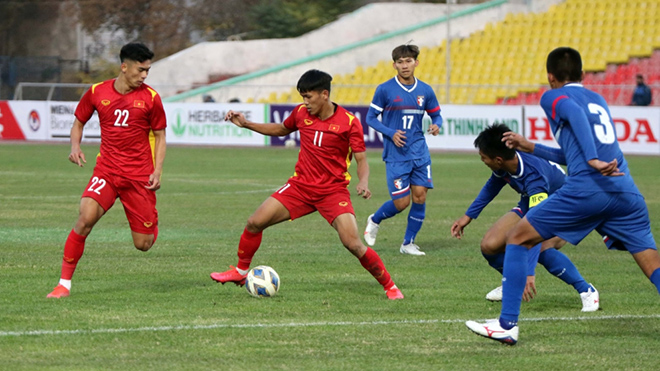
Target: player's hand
(399,138)
(606,168)
(516,141)
(154,182)
(236,118)
(459,225)
(363,190)
(77,157)
(530,288)
(433,129)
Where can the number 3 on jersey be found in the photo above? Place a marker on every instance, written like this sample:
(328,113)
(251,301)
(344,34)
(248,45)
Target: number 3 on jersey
(122,117)
(605,131)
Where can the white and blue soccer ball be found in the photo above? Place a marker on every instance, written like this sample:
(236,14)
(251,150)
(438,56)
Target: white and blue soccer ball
(262,281)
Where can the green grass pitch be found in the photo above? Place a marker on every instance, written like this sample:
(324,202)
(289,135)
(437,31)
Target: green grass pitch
(159,310)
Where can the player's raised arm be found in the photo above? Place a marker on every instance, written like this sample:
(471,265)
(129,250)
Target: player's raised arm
(363,175)
(270,129)
(77,156)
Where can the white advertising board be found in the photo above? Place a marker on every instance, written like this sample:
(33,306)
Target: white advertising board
(462,124)
(204,123)
(637,128)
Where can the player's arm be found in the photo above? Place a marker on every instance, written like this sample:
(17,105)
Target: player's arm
(488,192)
(433,110)
(363,175)
(77,156)
(159,158)
(270,129)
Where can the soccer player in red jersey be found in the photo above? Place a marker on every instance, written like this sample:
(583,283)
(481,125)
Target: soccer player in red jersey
(128,111)
(329,137)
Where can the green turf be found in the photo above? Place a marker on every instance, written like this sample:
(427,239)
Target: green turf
(159,310)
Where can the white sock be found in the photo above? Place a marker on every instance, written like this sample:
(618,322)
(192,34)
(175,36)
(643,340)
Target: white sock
(65,283)
(242,271)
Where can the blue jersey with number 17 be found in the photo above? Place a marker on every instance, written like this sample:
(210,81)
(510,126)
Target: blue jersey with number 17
(582,125)
(402,108)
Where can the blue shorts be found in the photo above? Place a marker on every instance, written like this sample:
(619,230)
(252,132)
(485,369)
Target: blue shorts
(622,217)
(402,174)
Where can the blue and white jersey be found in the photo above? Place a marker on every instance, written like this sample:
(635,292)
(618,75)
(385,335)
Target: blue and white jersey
(535,179)
(402,108)
(582,125)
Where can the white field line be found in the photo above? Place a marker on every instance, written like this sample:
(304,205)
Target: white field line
(296,324)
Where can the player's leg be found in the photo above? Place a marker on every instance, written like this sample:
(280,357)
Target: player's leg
(398,184)
(89,213)
(271,212)
(521,238)
(140,208)
(560,266)
(346,227)
(492,247)
(649,261)
(421,181)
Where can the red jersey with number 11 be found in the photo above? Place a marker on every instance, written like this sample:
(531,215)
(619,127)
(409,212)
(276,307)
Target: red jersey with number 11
(326,147)
(126,120)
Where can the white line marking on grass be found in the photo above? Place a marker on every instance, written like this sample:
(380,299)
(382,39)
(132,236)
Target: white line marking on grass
(294,324)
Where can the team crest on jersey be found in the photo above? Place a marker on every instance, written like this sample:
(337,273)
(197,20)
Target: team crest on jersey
(420,100)
(105,102)
(138,103)
(334,127)
(398,183)
(308,122)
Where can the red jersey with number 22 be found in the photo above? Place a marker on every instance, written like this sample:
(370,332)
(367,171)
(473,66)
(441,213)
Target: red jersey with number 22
(326,147)
(126,120)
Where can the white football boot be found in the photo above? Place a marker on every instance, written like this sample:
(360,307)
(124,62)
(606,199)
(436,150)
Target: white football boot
(492,330)
(495,294)
(371,231)
(411,249)
(590,300)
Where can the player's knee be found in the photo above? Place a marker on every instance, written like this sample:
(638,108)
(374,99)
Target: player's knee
(143,244)
(490,246)
(253,225)
(402,203)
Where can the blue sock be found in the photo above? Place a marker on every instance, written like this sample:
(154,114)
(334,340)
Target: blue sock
(560,266)
(386,211)
(514,280)
(415,220)
(532,259)
(496,261)
(655,278)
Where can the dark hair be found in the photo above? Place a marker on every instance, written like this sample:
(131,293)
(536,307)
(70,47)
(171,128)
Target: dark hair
(489,142)
(314,80)
(137,52)
(565,64)
(405,51)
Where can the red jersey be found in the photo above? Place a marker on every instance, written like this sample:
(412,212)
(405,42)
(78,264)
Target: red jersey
(126,121)
(326,146)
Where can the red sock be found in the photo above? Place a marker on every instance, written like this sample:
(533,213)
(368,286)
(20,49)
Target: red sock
(372,262)
(247,247)
(73,250)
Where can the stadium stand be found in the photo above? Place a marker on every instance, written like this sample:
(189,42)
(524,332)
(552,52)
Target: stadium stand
(504,62)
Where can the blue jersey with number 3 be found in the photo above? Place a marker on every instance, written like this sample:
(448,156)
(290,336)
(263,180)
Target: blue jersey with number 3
(402,108)
(582,125)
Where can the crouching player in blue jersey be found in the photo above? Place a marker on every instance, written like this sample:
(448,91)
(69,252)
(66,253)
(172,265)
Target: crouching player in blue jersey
(598,193)
(534,179)
(402,102)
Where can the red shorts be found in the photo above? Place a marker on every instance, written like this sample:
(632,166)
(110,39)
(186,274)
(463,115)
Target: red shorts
(300,201)
(139,202)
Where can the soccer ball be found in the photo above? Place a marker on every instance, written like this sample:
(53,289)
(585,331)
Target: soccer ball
(262,281)
(290,143)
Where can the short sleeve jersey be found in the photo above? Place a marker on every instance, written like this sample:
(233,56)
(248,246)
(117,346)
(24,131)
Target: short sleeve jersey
(402,108)
(534,180)
(581,123)
(326,147)
(126,120)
